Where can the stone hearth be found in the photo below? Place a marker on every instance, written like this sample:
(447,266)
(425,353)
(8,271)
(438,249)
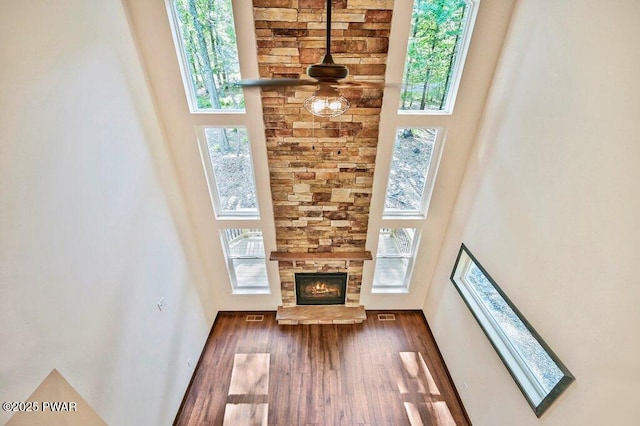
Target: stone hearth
(321,315)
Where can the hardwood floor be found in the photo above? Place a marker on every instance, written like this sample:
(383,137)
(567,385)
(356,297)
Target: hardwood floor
(380,372)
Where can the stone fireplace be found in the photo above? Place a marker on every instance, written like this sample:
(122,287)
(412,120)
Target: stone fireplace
(321,289)
(348,265)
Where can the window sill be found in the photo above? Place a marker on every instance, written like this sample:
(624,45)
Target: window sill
(250,291)
(390,290)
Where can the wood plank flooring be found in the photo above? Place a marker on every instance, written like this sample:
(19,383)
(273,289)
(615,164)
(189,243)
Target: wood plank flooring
(380,372)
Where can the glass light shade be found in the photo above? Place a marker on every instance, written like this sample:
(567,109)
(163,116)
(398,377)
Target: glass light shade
(326,102)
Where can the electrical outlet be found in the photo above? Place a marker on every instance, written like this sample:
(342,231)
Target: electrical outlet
(162,304)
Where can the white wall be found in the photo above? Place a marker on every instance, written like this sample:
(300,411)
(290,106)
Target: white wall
(549,206)
(93,230)
(458,134)
(150,25)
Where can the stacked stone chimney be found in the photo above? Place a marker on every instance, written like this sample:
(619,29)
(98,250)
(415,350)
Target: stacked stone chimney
(321,170)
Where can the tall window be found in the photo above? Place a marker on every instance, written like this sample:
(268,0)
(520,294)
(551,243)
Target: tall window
(536,369)
(394,260)
(412,176)
(205,38)
(440,34)
(227,158)
(244,252)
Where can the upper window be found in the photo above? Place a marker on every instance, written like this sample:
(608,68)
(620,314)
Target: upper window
(440,34)
(536,369)
(227,160)
(205,37)
(412,175)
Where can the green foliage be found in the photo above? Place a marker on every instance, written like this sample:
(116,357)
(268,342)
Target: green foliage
(209,40)
(432,49)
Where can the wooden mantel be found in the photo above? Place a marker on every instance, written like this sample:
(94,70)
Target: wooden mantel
(286,256)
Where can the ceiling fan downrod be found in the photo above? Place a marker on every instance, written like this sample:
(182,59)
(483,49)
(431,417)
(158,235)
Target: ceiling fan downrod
(327,49)
(328,70)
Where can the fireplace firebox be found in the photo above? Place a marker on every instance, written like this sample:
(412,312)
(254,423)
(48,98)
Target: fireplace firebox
(321,288)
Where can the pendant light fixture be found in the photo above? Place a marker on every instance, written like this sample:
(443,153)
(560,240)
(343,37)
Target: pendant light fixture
(326,102)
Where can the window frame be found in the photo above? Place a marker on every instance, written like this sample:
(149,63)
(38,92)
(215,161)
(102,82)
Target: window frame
(231,269)
(509,355)
(183,60)
(404,286)
(211,177)
(457,66)
(430,179)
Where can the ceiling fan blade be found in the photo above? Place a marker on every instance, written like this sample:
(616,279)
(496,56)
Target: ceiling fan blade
(276,82)
(364,84)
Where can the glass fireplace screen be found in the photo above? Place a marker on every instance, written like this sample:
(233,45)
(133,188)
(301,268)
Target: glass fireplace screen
(321,288)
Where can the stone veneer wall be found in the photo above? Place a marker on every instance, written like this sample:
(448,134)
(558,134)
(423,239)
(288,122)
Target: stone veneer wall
(321,170)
